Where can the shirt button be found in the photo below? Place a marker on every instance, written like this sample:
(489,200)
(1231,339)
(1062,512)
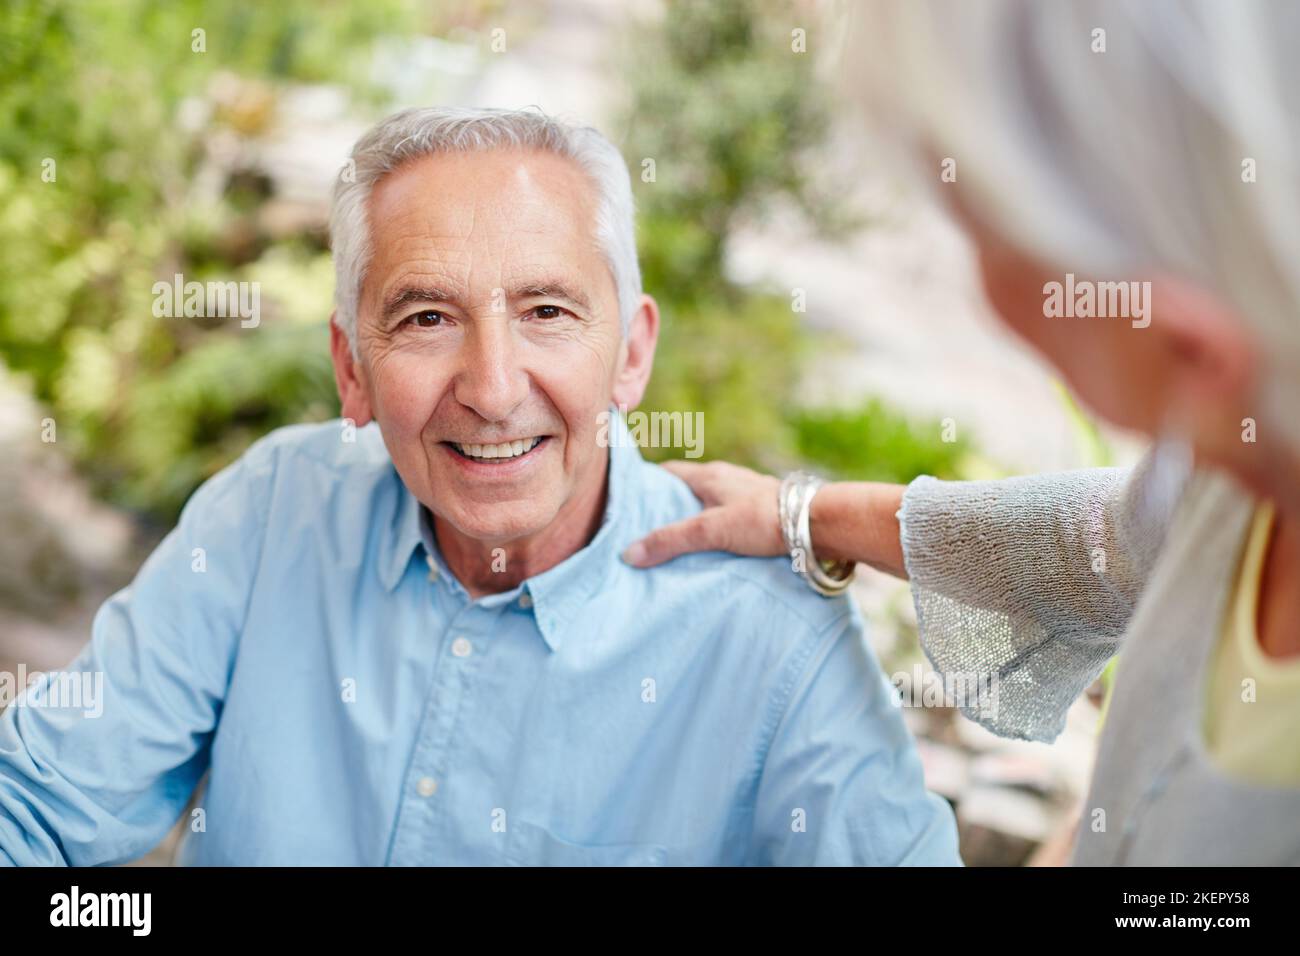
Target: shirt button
(461,647)
(525,600)
(427,786)
(433,568)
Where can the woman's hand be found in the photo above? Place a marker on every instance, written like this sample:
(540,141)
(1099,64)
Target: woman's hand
(740,516)
(849,520)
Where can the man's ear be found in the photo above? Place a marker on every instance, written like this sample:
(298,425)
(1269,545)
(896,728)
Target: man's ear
(637,355)
(349,376)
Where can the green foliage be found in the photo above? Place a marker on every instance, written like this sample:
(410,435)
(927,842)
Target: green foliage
(1095,450)
(218,398)
(726,112)
(874,443)
(130,113)
(735,363)
(733,120)
(150,407)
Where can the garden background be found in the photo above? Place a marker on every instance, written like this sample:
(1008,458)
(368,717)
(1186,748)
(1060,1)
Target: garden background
(815,310)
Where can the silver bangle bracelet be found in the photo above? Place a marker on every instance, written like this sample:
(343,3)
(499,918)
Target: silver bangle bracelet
(794,509)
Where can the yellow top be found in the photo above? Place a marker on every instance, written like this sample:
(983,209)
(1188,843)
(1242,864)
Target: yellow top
(1252,709)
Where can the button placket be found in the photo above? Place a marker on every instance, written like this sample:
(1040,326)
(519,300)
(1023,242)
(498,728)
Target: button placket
(416,838)
(426,819)
(422,818)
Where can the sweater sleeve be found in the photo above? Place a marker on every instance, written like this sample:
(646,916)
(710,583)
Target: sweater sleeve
(1024,587)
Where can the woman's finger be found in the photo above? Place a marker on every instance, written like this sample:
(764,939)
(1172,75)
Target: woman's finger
(697,477)
(703,532)
(713,482)
(685,470)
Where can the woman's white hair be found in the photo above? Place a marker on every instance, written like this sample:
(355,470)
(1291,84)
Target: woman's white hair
(1177,148)
(413,133)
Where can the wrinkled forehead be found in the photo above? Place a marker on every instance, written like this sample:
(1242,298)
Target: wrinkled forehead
(478,221)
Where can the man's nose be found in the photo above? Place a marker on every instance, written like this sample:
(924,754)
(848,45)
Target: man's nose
(490,380)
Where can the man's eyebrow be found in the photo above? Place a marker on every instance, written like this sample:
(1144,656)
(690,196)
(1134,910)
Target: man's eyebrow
(552,289)
(404,295)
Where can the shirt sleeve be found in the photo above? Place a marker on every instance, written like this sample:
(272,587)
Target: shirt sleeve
(1029,583)
(842,784)
(102,782)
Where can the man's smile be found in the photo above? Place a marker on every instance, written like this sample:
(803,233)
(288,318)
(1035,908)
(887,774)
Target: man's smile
(497,453)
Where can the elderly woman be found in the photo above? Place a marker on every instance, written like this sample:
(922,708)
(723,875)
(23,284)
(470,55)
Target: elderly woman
(1137,143)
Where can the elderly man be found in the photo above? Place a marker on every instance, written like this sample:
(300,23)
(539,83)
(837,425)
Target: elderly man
(407,637)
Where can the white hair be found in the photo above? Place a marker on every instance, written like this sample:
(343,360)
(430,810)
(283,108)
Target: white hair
(413,133)
(1132,158)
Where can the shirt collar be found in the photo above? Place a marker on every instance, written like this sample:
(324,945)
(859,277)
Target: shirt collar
(560,592)
(403,537)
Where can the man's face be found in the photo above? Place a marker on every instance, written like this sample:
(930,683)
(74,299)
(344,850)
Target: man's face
(489,337)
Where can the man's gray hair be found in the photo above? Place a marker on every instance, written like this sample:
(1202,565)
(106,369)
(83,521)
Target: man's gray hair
(413,133)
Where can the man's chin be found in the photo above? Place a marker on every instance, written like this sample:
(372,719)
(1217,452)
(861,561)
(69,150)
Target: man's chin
(497,523)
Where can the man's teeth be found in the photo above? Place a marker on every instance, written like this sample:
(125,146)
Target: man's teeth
(509,449)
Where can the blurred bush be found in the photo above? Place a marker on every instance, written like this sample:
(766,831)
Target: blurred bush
(135,120)
(734,121)
(116,96)
(872,442)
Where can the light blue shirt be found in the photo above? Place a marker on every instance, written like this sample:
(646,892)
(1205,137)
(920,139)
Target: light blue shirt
(298,637)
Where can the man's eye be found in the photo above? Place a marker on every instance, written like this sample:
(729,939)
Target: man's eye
(427,319)
(547,312)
